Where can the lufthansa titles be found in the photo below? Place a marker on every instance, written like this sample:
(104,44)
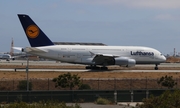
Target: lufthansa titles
(140,53)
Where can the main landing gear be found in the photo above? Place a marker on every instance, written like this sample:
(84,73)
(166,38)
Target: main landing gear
(156,67)
(94,67)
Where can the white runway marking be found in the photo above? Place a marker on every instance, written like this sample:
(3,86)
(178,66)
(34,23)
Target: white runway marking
(82,70)
(46,70)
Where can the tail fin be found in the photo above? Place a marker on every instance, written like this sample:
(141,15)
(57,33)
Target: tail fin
(34,34)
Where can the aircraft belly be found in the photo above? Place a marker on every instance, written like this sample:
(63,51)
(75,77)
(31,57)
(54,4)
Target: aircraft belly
(44,55)
(146,60)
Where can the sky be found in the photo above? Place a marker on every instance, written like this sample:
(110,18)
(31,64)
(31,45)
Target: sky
(151,23)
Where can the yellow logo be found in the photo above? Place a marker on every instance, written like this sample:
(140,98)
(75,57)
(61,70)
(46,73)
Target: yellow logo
(32,31)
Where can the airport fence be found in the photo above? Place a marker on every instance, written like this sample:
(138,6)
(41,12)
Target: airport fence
(77,95)
(94,83)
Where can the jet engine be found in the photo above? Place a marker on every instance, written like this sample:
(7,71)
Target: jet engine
(124,61)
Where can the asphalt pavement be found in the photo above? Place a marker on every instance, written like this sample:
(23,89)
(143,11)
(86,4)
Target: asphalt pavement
(93,105)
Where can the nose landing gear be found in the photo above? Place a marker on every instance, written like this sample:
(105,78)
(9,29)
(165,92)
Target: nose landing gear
(156,67)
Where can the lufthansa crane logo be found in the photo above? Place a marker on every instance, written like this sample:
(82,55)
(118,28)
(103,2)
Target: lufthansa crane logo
(32,31)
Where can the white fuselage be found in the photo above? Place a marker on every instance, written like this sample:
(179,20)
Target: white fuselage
(5,56)
(82,54)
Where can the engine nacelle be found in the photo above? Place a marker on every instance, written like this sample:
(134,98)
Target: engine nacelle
(124,61)
(23,50)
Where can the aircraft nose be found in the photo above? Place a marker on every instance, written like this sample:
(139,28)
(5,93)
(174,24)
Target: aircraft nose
(163,58)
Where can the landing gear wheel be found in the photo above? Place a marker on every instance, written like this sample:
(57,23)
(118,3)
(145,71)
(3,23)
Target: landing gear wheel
(156,67)
(88,67)
(96,68)
(104,68)
(93,67)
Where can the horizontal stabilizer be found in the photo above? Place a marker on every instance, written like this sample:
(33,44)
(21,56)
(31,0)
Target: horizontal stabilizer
(18,48)
(34,49)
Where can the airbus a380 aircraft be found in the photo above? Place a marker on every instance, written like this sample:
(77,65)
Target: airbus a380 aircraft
(96,57)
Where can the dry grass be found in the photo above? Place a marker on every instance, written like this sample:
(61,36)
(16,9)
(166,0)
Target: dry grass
(122,75)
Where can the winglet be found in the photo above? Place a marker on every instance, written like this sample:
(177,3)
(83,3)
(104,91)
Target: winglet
(34,34)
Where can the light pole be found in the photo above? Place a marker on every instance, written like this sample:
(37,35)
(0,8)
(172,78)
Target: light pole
(27,71)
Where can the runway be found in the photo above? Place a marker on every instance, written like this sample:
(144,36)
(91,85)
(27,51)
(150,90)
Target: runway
(54,63)
(44,63)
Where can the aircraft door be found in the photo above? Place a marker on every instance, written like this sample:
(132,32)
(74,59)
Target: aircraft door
(79,58)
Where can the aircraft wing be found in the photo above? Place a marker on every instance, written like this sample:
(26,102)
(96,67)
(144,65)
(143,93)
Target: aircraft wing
(101,59)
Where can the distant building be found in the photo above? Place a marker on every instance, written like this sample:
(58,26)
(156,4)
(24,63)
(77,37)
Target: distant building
(78,43)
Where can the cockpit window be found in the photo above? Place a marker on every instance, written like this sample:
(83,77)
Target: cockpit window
(161,54)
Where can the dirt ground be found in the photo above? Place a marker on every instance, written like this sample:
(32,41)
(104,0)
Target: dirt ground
(124,75)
